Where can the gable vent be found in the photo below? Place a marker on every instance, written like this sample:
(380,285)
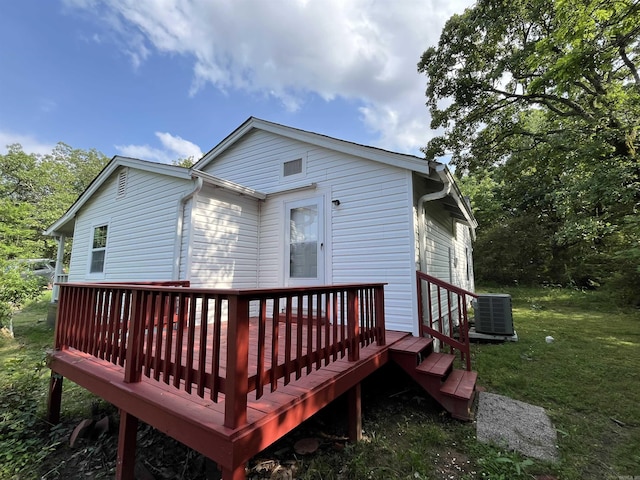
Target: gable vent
(292,167)
(122,183)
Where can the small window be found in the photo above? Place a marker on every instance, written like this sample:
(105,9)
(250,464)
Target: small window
(98,249)
(293,167)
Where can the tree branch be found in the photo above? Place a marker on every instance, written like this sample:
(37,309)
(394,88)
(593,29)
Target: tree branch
(630,65)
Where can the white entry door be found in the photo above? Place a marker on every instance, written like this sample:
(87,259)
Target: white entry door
(304,242)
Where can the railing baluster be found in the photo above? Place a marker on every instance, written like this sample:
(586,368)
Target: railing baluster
(177,359)
(202,351)
(262,319)
(299,331)
(162,301)
(309,322)
(275,331)
(168,344)
(215,356)
(287,341)
(191,335)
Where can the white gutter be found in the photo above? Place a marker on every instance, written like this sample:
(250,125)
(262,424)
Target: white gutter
(440,169)
(181,212)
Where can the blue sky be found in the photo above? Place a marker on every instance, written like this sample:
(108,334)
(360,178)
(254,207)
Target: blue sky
(167,79)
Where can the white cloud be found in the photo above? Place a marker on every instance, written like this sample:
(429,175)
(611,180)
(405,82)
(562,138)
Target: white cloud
(28,142)
(362,50)
(173,148)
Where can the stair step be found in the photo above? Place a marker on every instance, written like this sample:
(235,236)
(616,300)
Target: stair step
(460,384)
(412,345)
(436,364)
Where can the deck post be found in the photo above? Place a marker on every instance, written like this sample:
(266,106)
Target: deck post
(55,398)
(355,413)
(380,321)
(353,325)
(135,339)
(126,461)
(237,473)
(237,381)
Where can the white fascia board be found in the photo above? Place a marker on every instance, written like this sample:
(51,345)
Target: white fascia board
(400,160)
(107,171)
(227,185)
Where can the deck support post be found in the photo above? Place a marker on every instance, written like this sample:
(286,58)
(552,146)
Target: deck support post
(355,413)
(237,473)
(126,461)
(55,398)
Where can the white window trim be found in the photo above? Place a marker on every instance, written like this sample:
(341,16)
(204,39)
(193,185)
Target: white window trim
(97,275)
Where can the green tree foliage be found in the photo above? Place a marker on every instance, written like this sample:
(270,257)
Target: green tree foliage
(35,190)
(540,101)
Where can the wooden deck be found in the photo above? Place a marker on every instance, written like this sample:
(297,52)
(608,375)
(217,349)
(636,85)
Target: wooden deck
(227,373)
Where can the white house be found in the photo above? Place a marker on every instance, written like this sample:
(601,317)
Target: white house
(274,206)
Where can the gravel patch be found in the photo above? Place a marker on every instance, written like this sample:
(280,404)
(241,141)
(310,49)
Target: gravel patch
(517,426)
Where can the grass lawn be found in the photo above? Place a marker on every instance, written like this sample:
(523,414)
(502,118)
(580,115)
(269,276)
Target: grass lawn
(588,380)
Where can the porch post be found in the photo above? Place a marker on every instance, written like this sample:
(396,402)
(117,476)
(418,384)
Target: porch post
(126,460)
(135,339)
(59,259)
(380,321)
(237,381)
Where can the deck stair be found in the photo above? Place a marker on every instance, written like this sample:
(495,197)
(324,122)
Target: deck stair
(454,389)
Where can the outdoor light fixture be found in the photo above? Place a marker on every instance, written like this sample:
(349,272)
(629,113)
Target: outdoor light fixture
(335,202)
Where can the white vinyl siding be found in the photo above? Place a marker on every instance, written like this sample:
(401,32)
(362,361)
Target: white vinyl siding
(368,237)
(142,227)
(224,245)
(439,242)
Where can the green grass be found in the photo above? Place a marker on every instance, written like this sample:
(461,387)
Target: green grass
(588,380)
(25,437)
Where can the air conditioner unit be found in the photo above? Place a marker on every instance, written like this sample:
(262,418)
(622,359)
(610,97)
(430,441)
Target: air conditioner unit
(493,314)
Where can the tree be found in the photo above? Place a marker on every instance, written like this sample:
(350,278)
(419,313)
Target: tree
(544,96)
(35,191)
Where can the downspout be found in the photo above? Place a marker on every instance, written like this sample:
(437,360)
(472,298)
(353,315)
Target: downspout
(422,224)
(181,212)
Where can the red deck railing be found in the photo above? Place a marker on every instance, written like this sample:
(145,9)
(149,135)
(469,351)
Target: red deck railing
(443,312)
(198,340)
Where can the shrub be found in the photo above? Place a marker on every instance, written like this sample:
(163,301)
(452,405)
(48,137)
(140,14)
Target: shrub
(16,287)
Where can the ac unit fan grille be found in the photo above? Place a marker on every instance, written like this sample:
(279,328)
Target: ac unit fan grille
(493,314)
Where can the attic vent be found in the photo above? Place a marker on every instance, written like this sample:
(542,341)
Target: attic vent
(122,183)
(292,167)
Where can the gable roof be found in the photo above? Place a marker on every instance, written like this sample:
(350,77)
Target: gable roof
(65,223)
(410,162)
(401,160)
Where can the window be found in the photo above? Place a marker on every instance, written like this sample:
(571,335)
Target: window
(98,249)
(293,167)
(303,243)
